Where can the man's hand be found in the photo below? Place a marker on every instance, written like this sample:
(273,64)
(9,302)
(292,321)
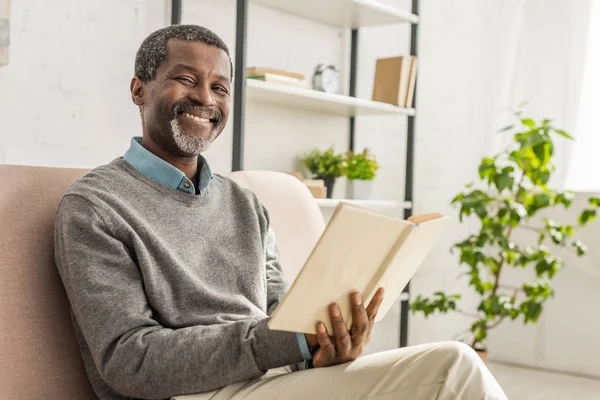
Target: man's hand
(344,345)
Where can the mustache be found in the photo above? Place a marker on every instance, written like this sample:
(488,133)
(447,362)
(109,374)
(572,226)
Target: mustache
(191,107)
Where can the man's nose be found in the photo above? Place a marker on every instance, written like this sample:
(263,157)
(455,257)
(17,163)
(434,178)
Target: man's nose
(204,95)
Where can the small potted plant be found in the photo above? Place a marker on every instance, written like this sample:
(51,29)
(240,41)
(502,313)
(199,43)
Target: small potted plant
(361,169)
(512,190)
(326,165)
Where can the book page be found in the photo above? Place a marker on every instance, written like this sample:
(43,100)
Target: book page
(346,259)
(419,219)
(408,259)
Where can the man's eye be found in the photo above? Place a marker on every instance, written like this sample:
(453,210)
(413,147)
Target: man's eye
(185,80)
(221,89)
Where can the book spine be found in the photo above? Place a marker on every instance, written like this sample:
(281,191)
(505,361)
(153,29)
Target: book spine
(263,71)
(374,284)
(411,84)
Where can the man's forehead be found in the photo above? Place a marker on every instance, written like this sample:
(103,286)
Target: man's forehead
(194,52)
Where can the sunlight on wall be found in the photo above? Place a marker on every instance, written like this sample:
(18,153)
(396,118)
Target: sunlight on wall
(584,171)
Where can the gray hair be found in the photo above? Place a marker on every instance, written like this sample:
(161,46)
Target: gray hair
(153,50)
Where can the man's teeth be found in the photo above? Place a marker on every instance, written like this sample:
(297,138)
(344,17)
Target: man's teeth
(195,118)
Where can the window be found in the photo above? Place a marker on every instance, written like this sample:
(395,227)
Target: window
(584,168)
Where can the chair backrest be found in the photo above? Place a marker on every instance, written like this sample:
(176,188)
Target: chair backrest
(38,352)
(295,216)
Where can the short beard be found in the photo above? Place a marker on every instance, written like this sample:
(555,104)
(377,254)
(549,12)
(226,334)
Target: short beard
(190,145)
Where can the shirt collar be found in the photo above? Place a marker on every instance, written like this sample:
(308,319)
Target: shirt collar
(164,173)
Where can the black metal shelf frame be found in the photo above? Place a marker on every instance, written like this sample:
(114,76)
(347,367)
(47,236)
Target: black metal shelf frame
(237,163)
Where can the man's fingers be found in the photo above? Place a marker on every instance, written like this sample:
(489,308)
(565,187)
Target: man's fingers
(374,305)
(326,353)
(343,341)
(360,320)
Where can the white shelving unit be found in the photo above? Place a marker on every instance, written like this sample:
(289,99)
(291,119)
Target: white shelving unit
(320,102)
(332,203)
(343,13)
(351,14)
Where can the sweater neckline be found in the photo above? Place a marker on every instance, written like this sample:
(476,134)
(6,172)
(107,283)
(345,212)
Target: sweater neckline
(174,194)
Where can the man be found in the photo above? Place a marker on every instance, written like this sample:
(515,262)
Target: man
(172,272)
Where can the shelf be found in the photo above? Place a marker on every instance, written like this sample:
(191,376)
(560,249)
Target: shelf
(343,13)
(331,203)
(321,102)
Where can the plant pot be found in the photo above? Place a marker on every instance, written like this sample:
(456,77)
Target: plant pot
(360,189)
(483,354)
(329,182)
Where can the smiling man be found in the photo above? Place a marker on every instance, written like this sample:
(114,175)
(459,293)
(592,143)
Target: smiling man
(172,272)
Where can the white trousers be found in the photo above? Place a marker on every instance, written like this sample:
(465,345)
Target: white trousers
(444,371)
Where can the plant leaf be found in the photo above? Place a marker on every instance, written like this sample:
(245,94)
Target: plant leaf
(587,216)
(564,134)
(580,247)
(594,201)
(528,122)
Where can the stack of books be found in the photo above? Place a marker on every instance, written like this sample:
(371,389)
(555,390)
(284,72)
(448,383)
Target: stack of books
(277,76)
(395,80)
(316,186)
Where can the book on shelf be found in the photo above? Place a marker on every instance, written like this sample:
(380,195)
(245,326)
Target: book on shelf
(253,71)
(315,186)
(360,250)
(410,95)
(280,80)
(395,80)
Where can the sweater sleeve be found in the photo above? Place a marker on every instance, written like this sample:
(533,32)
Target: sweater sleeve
(277,285)
(132,352)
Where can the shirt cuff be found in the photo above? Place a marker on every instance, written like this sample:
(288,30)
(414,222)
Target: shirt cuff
(303,346)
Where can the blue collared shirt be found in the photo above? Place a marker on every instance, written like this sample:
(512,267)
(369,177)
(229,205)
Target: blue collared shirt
(164,173)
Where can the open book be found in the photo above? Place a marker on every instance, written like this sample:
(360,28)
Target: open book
(360,250)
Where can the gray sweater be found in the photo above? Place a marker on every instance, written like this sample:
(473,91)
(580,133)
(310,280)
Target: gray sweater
(170,292)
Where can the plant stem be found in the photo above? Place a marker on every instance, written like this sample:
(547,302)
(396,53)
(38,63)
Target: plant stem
(530,228)
(508,233)
(467,314)
(500,265)
(495,324)
(500,286)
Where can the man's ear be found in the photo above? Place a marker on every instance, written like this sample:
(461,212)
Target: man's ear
(137,91)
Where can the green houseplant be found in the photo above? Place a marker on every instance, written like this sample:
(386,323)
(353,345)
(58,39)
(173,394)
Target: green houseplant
(513,188)
(361,166)
(361,169)
(327,165)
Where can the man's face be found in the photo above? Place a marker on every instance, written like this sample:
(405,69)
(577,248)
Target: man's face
(187,105)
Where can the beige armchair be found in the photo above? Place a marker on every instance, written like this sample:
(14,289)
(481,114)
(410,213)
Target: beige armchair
(38,353)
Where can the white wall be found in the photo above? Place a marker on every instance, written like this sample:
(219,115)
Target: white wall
(565,338)
(64,97)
